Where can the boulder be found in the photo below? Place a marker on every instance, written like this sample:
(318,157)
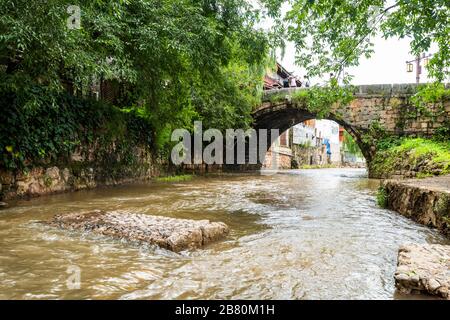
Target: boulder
(169,233)
(424,269)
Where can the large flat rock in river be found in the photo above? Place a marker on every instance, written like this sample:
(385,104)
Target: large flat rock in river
(424,269)
(169,233)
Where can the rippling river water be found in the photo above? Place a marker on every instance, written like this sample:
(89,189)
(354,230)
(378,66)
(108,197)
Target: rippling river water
(300,234)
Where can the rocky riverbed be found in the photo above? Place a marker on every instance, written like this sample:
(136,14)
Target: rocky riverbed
(424,269)
(169,233)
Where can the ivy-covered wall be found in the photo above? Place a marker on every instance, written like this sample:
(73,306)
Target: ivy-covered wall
(66,143)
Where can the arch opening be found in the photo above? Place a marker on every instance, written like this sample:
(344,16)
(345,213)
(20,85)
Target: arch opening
(315,143)
(285,116)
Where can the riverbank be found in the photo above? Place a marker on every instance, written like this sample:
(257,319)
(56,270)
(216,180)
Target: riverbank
(40,181)
(426,201)
(410,158)
(45,181)
(72,143)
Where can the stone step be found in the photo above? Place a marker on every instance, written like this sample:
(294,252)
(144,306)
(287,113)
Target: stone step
(169,233)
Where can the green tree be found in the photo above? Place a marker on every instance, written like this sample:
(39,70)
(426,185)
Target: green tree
(174,60)
(350,145)
(332,34)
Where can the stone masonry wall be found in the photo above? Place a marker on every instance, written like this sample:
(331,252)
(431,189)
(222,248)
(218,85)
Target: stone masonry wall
(391,107)
(309,155)
(283,161)
(387,104)
(78,175)
(426,201)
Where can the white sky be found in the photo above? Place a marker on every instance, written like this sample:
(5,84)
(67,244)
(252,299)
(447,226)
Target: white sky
(387,64)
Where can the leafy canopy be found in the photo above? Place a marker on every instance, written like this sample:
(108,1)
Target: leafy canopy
(332,34)
(175,60)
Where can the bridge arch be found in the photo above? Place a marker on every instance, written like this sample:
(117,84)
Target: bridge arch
(285,115)
(388,105)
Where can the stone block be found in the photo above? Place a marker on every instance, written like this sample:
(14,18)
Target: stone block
(375,89)
(404,88)
(52,173)
(6,177)
(169,233)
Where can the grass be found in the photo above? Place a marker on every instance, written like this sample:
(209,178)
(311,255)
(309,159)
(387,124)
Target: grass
(439,151)
(423,175)
(382,197)
(442,206)
(317,166)
(177,178)
(426,157)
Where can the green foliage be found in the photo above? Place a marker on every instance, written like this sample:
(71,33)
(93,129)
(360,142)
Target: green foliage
(175,61)
(431,93)
(177,178)
(382,197)
(350,145)
(423,175)
(376,135)
(306,145)
(418,147)
(319,100)
(332,34)
(442,206)
(61,125)
(388,142)
(277,97)
(442,133)
(47,181)
(318,166)
(426,157)
(429,100)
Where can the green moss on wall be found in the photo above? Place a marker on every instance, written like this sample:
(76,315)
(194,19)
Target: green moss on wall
(424,157)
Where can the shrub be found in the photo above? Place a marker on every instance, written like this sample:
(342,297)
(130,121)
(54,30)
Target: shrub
(382,197)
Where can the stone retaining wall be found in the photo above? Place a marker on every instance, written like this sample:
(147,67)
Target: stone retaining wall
(426,201)
(277,159)
(56,179)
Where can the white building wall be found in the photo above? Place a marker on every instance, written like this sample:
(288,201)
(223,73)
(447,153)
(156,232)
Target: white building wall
(303,135)
(330,130)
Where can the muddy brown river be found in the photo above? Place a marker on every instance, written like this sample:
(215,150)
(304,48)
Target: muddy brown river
(300,234)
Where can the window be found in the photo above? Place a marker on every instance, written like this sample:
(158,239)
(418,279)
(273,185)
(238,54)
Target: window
(283,140)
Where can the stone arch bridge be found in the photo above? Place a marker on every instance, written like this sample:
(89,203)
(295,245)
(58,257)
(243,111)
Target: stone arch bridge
(387,105)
